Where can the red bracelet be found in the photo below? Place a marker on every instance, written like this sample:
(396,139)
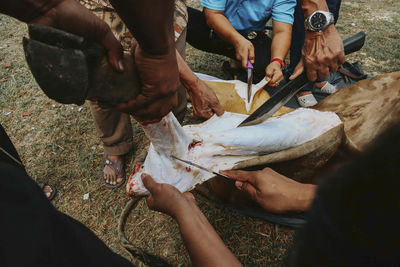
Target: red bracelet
(278,60)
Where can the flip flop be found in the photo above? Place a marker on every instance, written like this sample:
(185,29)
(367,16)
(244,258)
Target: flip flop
(329,88)
(307,100)
(53,193)
(117,166)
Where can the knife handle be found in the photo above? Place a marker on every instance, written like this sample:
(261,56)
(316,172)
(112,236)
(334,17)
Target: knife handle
(354,43)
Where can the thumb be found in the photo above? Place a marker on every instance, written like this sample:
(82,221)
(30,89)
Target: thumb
(298,70)
(148,182)
(114,50)
(242,176)
(218,109)
(247,187)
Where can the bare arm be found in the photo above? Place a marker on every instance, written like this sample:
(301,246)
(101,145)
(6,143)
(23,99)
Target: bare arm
(322,52)
(204,245)
(217,21)
(279,49)
(67,15)
(151,23)
(273,191)
(281,39)
(205,102)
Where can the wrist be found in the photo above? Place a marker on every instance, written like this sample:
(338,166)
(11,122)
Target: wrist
(310,6)
(183,210)
(278,61)
(304,197)
(191,84)
(238,40)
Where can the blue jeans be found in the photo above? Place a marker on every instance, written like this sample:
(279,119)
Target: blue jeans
(298,34)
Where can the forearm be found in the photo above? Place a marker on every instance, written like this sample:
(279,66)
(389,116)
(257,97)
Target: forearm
(187,77)
(204,245)
(221,25)
(150,21)
(281,40)
(309,6)
(27,10)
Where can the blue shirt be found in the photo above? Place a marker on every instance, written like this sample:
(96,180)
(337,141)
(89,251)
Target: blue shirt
(252,15)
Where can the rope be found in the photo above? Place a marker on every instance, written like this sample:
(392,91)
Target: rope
(11,157)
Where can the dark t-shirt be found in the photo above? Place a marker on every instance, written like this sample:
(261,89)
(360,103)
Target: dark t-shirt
(355,218)
(34,233)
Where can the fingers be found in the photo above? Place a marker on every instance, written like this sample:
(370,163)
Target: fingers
(342,58)
(243,176)
(248,188)
(148,182)
(203,114)
(218,109)
(244,59)
(274,73)
(251,55)
(152,111)
(298,70)
(311,71)
(114,50)
(269,73)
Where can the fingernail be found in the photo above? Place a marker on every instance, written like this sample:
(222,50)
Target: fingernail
(121,65)
(238,184)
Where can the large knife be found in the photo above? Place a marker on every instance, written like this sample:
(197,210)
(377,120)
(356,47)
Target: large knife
(290,89)
(201,167)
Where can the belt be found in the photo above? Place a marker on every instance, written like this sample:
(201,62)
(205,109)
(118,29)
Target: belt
(249,35)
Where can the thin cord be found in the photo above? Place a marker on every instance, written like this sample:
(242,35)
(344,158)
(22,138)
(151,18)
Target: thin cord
(11,157)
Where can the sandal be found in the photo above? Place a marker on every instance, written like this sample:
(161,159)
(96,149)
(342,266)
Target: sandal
(53,193)
(118,167)
(329,88)
(307,100)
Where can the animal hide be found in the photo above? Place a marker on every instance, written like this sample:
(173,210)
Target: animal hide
(218,144)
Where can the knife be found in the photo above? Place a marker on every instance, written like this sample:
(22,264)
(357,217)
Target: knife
(290,89)
(249,79)
(201,167)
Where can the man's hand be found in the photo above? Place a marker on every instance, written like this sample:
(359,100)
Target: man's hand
(205,102)
(244,51)
(160,78)
(273,72)
(166,198)
(272,191)
(322,53)
(72,17)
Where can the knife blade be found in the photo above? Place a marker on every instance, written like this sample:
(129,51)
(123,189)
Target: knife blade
(249,80)
(200,167)
(290,89)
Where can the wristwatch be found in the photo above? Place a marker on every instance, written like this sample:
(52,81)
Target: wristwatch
(319,21)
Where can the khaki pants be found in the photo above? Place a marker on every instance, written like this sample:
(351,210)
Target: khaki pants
(115,129)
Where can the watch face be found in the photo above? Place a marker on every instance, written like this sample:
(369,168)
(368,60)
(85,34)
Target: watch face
(318,20)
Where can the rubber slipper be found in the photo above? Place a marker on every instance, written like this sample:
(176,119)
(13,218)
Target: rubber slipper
(53,193)
(329,88)
(118,167)
(307,100)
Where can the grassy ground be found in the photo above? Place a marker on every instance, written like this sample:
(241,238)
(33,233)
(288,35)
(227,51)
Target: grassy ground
(58,145)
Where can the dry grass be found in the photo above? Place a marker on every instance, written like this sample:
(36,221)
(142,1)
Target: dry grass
(58,145)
